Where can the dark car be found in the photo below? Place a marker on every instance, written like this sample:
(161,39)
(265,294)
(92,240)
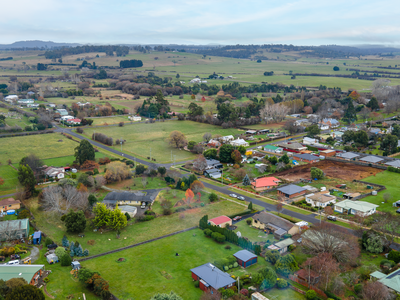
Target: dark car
(241,198)
(398,211)
(331,218)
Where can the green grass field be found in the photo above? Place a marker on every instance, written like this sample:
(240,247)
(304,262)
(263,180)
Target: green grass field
(253,234)
(10,177)
(42,145)
(391,181)
(140,138)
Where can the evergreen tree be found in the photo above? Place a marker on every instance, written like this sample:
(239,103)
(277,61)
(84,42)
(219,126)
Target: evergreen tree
(350,114)
(246,180)
(250,206)
(75,222)
(65,260)
(284,158)
(27,179)
(84,152)
(65,242)
(117,220)
(373,104)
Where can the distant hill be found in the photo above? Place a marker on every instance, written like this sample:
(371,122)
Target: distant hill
(36,44)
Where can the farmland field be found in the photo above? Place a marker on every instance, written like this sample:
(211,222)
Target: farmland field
(10,177)
(140,138)
(42,145)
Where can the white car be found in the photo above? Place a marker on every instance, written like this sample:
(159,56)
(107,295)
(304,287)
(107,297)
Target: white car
(233,195)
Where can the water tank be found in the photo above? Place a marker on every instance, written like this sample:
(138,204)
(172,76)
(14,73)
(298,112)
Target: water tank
(10,212)
(374,193)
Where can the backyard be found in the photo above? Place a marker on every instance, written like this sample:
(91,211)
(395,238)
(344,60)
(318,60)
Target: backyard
(253,234)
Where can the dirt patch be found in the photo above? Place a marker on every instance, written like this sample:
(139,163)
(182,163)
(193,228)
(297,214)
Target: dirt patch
(334,169)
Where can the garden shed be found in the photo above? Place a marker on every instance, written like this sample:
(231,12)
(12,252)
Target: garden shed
(75,265)
(245,258)
(52,259)
(37,237)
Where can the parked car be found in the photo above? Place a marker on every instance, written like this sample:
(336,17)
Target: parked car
(241,198)
(237,218)
(398,211)
(13,262)
(332,218)
(233,195)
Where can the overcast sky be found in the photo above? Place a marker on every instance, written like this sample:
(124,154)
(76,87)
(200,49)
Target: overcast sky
(303,22)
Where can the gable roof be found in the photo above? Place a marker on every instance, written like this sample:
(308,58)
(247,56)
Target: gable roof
(19,271)
(9,201)
(220,220)
(113,197)
(291,189)
(284,243)
(307,156)
(349,155)
(244,255)
(371,159)
(321,197)
(265,181)
(293,146)
(391,280)
(356,205)
(394,163)
(213,276)
(268,218)
(271,147)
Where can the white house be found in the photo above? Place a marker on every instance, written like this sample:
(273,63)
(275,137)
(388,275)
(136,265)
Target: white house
(135,118)
(309,141)
(195,80)
(11,98)
(65,118)
(354,207)
(74,121)
(321,199)
(239,142)
(54,172)
(227,139)
(25,101)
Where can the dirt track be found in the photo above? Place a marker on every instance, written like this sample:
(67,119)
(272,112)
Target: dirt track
(346,171)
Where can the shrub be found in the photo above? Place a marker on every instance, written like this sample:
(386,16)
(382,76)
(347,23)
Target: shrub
(227,247)
(196,284)
(272,256)
(79,130)
(24,214)
(358,288)
(46,279)
(395,256)
(145,218)
(66,260)
(235,264)
(248,221)
(281,283)
(128,216)
(286,265)
(213,197)
(244,292)
(208,232)
(291,247)
(311,295)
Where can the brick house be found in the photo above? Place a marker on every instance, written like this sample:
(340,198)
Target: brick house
(220,221)
(308,158)
(211,278)
(291,191)
(264,183)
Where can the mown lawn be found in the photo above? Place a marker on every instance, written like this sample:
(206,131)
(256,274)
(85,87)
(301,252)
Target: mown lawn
(154,268)
(140,138)
(42,145)
(51,224)
(253,234)
(391,181)
(10,177)
(285,294)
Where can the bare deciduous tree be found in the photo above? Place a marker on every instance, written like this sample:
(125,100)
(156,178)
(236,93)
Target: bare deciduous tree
(62,199)
(373,290)
(144,181)
(177,139)
(207,136)
(200,163)
(100,181)
(274,113)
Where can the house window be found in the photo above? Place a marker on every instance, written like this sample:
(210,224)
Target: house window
(255,221)
(9,206)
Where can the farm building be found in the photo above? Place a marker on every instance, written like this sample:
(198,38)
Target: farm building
(348,155)
(251,132)
(220,221)
(394,163)
(264,183)
(371,159)
(277,225)
(353,207)
(327,153)
(291,191)
(308,158)
(211,278)
(239,142)
(31,273)
(245,258)
(272,148)
(9,203)
(321,199)
(282,246)
(14,229)
(131,198)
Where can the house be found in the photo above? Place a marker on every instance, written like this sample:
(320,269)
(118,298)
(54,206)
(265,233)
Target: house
(274,224)
(337,135)
(264,183)
(263,131)
(292,147)
(239,142)
(211,278)
(252,132)
(52,105)
(309,141)
(131,198)
(25,101)
(348,155)
(308,158)
(53,172)
(374,130)
(84,104)
(213,143)
(195,80)
(354,207)
(245,258)
(66,118)
(302,122)
(308,276)
(273,149)
(61,111)
(135,118)
(327,153)
(130,210)
(74,121)
(394,163)
(391,280)
(33,105)
(213,164)
(220,221)
(291,191)
(31,273)
(9,203)
(371,159)
(282,246)
(14,229)
(331,123)
(213,173)
(321,199)
(52,259)
(11,98)
(226,139)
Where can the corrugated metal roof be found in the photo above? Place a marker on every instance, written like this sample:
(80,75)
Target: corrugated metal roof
(19,271)
(244,255)
(213,276)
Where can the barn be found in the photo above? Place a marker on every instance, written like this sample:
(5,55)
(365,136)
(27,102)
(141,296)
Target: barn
(245,258)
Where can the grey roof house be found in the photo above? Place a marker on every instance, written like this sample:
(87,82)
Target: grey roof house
(395,163)
(131,198)
(291,191)
(212,278)
(279,226)
(306,157)
(371,159)
(349,155)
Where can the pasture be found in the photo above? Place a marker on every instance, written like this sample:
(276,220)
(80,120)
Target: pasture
(142,138)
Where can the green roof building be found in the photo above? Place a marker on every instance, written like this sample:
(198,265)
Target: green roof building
(272,148)
(28,272)
(392,280)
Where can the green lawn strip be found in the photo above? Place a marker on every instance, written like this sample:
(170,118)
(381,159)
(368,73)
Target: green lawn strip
(10,177)
(285,294)
(137,184)
(298,210)
(51,224)
(391,181)
(240,192)
(213,182)
(339,223)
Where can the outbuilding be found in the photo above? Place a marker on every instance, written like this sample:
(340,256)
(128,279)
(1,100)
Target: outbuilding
(308,158)
(245,258)
(220,221)
(37,237)
(52,259)
(31,273)
(211,278)
(75,265)
(291,191)
(282,246)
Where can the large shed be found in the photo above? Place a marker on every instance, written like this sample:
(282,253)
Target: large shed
(245,258)
(30,273)
(14,229)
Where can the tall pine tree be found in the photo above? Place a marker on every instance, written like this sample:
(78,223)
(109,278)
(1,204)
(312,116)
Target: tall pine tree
(350,113)
(246,180)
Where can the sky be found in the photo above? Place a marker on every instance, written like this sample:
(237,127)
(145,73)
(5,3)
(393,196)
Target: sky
(302,22)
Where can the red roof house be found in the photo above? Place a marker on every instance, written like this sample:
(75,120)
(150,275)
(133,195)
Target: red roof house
(74,121)
(265,183)
(220,221)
